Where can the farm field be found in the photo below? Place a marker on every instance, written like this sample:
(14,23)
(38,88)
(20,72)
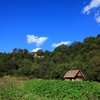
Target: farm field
(14,89)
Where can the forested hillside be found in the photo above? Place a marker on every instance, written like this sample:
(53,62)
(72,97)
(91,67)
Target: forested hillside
(53,65)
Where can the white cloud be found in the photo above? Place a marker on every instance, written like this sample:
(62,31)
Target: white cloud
(93,4)
(97,17)
(35,39)
(36,49)
(58,44)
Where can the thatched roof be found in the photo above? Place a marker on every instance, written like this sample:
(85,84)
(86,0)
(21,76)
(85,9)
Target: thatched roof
(72,73)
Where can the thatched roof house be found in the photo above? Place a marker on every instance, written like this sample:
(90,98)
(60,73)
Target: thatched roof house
(74,75)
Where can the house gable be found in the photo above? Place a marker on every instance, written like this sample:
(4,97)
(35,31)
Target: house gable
(74,75)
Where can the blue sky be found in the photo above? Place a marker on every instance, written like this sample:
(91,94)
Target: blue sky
(46,24)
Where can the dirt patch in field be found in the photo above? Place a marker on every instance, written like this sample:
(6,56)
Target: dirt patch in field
(14,79)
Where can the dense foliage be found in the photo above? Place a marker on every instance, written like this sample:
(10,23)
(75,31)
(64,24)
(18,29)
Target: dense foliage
(49,90)
(53,65)
(62,90)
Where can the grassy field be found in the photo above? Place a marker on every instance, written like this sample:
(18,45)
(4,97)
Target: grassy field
(23,89)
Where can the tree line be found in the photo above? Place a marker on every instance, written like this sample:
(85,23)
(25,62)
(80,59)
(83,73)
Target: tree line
(53,65)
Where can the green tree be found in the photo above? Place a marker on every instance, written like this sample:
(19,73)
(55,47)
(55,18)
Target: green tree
(93,70)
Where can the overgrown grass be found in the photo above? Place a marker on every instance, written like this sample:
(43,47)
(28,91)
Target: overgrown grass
(11,89)
(48,90)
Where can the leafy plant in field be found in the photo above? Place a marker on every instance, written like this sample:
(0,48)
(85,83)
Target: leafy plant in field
(64,90)
(49,90)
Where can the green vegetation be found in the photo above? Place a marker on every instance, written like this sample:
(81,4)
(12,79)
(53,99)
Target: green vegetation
(53,65)
(62,90)
(48,90)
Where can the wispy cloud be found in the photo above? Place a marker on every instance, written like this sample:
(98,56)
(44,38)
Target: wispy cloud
(97,17)
(35,39)
(58,44)
(36,49)
(92,5)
